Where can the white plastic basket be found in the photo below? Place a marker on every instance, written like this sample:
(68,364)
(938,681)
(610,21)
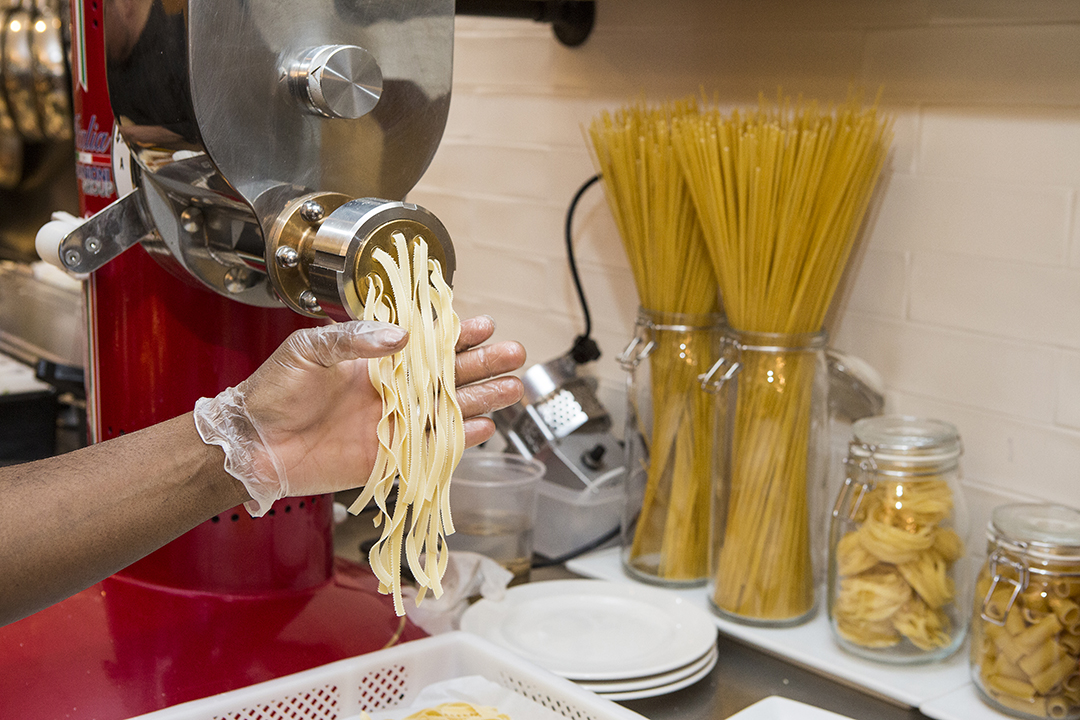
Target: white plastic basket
(393,677)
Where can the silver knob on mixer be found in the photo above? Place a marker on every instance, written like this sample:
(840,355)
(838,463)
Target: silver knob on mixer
(338,81)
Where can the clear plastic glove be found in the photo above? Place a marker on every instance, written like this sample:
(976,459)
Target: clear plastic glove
(304,422)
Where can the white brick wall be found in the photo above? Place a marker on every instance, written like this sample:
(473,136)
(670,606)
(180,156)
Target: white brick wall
(965,291)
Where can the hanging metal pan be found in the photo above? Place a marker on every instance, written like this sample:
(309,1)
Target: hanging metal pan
(11,154)
(18,71)
(51,85)
(11,144)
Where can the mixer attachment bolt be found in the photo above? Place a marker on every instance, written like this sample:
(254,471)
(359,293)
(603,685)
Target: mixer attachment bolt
(287,257)
(191,220)
(238,279)
(312,211)
(309,302)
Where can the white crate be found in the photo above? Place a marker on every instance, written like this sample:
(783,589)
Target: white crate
(392,677)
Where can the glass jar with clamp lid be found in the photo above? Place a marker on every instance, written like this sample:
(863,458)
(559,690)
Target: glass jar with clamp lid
(897,583)
(672,456)
(1025,630)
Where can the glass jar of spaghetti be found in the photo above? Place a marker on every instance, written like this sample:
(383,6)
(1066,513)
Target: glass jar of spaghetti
(1025,630)
(672,461)
(768,531)
(897,588)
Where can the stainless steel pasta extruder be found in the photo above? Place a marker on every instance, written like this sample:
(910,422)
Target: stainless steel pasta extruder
(269,146)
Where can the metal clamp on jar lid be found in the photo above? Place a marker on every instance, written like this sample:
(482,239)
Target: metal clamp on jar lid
(1026,540)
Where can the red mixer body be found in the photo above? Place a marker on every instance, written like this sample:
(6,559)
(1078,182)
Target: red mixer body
(236,600)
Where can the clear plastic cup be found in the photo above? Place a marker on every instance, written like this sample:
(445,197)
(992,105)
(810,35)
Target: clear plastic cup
(493,505)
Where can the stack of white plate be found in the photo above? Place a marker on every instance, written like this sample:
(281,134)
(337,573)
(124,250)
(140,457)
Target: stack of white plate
(621,641)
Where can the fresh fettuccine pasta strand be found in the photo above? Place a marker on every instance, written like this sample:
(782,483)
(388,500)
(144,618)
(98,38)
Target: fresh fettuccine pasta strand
(421,431)
(459,711)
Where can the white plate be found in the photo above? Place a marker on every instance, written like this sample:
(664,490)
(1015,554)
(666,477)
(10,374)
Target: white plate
(779,708)
(652,681)
(593,629)
(811,645)
(665,689)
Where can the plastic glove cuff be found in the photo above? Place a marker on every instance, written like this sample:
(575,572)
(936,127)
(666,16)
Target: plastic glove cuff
(223,421)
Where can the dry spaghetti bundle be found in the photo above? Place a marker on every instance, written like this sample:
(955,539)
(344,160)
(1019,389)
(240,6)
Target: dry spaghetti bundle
(781,193)
(657,222)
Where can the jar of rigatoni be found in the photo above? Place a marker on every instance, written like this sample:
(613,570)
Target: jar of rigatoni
(1025,631)
(898,583)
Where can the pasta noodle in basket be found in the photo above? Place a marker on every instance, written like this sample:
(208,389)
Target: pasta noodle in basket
(458,711)
(421,431)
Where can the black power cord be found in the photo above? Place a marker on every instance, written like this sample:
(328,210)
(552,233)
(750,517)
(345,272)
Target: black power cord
(540,561)
(585,348)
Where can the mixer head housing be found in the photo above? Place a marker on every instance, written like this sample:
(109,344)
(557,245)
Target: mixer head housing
(272,144)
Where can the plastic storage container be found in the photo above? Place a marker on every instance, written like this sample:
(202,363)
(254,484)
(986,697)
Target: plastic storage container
(897,589)
(493,501)
(568,520)
(1025,630)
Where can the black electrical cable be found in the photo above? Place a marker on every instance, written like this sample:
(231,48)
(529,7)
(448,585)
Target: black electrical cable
(540,562)
(585,348)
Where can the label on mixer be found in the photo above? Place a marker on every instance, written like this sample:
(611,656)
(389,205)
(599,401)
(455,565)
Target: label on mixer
(94,179)
(93,162)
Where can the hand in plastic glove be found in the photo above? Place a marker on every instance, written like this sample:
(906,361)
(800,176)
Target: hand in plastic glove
(304,422)
(70,520)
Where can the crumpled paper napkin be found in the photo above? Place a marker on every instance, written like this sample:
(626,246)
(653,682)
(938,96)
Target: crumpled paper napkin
(467,575)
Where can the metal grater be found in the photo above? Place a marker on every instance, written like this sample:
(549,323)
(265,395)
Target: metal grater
(570,408)
(561,422)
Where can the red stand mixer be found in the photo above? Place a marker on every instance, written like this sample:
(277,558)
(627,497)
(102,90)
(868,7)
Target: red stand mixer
(255,141)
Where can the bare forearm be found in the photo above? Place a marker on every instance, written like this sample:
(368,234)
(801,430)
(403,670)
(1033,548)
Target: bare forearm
(69,521)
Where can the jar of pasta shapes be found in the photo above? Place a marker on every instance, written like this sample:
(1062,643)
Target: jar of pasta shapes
(897,587)
(1025,630)
(672,455)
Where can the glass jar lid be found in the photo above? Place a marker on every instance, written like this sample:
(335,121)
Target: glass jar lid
(905,440)
(1049,532)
